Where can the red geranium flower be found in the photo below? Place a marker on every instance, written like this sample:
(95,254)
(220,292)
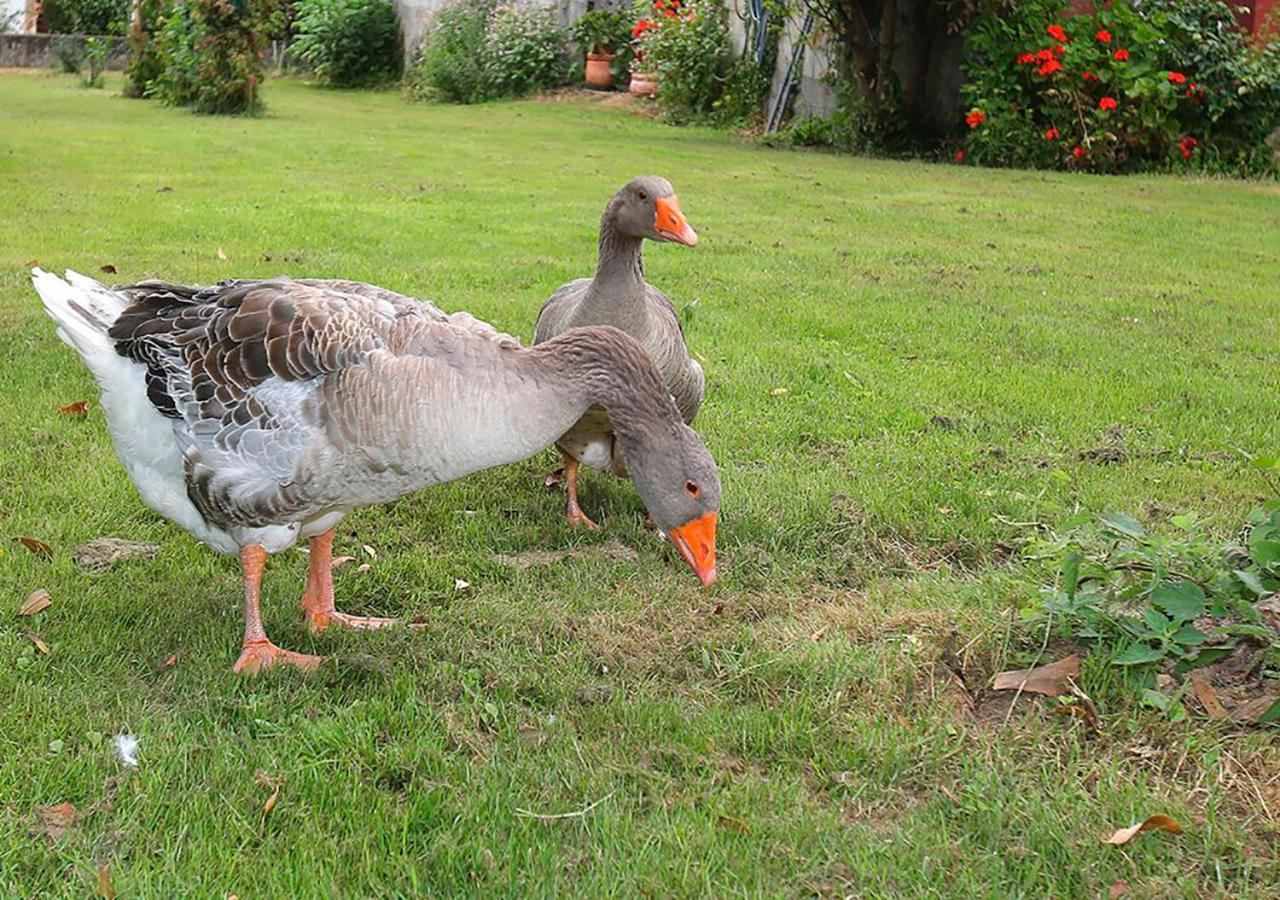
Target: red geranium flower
(1107,103)
(1059,50)
(1104,36)
(1050,67)
(1121,55)
(1044,55)
(1177,78)
(959,157)
(1089,76)
(641,27)
(1187,146)
(1052,134)
(1078,152)
(975,118)
(1026,58)
(1056,32)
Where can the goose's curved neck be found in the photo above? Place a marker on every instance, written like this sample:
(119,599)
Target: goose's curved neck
(620,264)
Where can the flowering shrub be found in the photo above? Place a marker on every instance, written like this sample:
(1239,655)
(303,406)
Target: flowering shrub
(476,51)
(1115,90)
(348,43)
(687,46)
(524,50)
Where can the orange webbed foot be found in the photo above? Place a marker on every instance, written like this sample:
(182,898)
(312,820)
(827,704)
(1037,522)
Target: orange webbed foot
(259,655)
(576,517)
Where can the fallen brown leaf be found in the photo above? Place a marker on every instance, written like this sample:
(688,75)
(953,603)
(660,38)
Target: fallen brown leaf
(55,820)
(1051,680)
(1255,708)
(222,254)
(79,409)
(37,600)
(1208,698)
(819,634)
(104,883)
(373,554)
(271,803)
(171,661)
(31,263)
(1158,821)
(554,479)
(40,644)
(363,567)
(1270,609)
(339,561)
(1081,711)
(108,269)
(1119,889)
(733,824)
(36,546)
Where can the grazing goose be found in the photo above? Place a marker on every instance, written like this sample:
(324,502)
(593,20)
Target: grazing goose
(254,414)
(617,295)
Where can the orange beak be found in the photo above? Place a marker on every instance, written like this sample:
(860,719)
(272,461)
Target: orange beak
(696,542)
(671,224)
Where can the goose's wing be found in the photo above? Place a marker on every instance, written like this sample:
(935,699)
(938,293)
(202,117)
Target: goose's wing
(249,371)
(681,371)
(556,315)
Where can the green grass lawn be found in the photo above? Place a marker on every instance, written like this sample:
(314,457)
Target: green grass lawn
(904,361)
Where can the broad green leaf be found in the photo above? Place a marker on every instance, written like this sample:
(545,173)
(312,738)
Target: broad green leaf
(1189,635)
(1186,522)
(1182,600)
(1272,714)
(1265,462)
(1138,655)
(1155,621)
(1205,657)
(1155,699)
(1071,574)
(1251,581)
(1265,552)
(1124,524)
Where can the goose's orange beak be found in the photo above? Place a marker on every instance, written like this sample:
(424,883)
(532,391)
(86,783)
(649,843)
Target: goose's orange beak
(671,223)
(696,542)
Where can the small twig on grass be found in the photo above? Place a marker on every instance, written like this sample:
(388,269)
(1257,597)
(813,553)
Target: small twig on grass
(551,817)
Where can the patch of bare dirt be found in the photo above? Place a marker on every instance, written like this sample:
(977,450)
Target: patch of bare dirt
(101,554)
(614,551)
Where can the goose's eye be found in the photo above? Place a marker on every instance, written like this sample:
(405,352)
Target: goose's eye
(691,488)
(642,195)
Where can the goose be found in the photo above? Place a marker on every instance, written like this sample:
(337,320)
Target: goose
(254,414)
(617,295)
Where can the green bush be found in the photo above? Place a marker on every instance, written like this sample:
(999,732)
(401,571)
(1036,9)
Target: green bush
(349,43)
(212,55)
(449,67)
(524,50)
(86,16)
(478,51)
(68,55)
(601,31)
(1167,85)
(96,51)
(145,63)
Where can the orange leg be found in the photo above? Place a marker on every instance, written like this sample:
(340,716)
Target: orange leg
(574,512)
(317,602)
(259,653)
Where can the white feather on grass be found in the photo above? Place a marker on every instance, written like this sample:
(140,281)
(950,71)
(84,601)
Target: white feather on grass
(127,749)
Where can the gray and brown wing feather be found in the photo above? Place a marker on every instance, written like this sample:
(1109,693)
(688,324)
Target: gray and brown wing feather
(247,370)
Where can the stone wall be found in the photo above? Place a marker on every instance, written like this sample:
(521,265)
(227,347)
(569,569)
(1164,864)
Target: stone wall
(35,51)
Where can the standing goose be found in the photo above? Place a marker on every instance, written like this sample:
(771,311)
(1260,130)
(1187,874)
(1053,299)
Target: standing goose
(254,414)
(618,295)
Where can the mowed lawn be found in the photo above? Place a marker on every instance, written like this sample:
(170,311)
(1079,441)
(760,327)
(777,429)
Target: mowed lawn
(906,362)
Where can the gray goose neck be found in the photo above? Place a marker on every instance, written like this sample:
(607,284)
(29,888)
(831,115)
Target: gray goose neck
(620,264)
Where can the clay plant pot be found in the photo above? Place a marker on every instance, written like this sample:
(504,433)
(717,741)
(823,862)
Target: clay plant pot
(599,75)
(644,85)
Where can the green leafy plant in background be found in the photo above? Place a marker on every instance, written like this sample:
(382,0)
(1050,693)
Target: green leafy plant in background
(449,67)
(524,50)
(607,32)
(68,54)
(96,52)
(89,17)
(145,62)
(212,55)
(348,43)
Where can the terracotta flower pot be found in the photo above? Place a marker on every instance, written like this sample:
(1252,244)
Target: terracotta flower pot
(599,75)
(643,85)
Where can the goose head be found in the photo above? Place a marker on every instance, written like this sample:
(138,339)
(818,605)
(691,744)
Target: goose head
(676,477)
(647,207)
